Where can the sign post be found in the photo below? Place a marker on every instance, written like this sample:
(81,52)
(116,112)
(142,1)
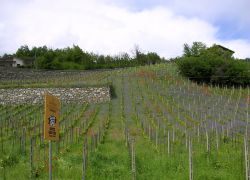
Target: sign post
(51,124)
(50,160)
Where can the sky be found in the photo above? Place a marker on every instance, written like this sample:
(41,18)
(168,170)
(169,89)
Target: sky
(116,26)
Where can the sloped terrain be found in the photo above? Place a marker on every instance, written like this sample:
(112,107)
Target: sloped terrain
(157,126)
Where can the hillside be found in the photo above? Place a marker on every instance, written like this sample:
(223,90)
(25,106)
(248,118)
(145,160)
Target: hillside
(157,125)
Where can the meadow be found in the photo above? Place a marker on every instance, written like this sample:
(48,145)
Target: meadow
(158,125)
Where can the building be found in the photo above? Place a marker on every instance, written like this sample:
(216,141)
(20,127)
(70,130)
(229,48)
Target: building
(16,62)
(220,51)
(224,49)
(6,62)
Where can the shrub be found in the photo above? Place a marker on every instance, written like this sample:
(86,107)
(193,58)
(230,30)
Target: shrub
(215,67)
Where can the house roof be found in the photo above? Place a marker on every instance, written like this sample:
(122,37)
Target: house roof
(26,61)
(224,48)
(6,60)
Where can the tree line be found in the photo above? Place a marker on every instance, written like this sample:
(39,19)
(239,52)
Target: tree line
(75,58)
(214,65)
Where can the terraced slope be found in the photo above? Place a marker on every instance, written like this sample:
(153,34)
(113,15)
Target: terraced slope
(157,126)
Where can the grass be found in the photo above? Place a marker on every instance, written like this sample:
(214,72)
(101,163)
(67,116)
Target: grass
(154,95)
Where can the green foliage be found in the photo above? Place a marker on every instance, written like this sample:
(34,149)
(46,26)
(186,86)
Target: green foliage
(6,56)
(75,58)
(213,65)
(140,98)
(197,49)
(195,69)
(9,160)
(153,58)
(112,91)
(24,51)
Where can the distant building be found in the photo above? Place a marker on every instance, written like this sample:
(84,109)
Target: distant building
(6,62)
(221,51)
(16,62)
(224,49)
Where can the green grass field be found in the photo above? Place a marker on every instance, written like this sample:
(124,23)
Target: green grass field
(157,126)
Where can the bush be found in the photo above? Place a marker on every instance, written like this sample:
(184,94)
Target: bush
(228,72)
(9,160)
(195,69)
(215,67)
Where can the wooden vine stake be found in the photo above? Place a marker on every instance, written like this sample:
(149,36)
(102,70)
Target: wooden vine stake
(246,142)
(31,156)
(133,158)
(84,158)
(1,138)
(190,159)
(246,158)
(168,143)
(217,139)
(23,142)
(207,140)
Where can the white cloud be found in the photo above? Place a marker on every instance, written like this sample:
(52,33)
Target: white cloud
(212,9)
(109,29)
(241,47)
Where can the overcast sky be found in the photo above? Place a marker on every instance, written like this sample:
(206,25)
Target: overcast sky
(114,26)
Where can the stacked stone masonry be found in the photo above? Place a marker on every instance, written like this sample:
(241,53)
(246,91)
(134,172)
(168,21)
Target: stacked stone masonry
(66,95)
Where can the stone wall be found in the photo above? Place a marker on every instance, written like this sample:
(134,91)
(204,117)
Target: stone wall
(67,95)
(22,73)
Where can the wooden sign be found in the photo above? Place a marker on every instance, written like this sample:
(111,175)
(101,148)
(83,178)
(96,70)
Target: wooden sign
(51,117)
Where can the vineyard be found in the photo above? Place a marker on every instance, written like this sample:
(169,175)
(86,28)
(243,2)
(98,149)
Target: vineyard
(157,125)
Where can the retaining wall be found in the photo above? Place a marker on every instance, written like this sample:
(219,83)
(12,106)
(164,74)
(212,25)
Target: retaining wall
(66,95)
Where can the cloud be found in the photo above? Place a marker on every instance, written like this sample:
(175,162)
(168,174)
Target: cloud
(241,47)
(212,9)
(229,15)
(102,28)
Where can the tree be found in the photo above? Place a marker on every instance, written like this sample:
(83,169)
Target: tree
(195,50)
(75,58)
(153,58)
(23,52)
(187,50)
(213,65)
(198,48)
(76,53)
(6,56)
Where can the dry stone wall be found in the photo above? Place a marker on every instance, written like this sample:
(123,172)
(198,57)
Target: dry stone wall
(25,74)
(67,95)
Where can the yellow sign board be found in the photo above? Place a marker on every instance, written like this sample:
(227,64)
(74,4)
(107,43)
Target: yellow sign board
(51,117)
